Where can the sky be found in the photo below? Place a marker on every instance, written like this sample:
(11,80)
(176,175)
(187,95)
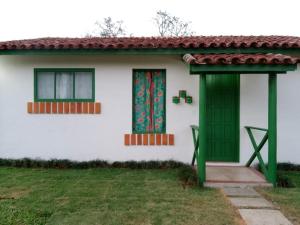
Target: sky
(23,19)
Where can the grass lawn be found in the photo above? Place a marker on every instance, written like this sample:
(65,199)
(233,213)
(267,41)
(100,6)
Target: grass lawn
(288,199)
(108,197)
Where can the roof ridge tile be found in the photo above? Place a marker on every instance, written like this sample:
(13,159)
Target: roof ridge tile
(193,42)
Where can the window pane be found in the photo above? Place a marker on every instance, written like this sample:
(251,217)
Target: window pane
(83,85)
(64,86)
(45,85)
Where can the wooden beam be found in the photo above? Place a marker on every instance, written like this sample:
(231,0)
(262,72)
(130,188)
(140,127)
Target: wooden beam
(201,157)
(238,69)
(272,127)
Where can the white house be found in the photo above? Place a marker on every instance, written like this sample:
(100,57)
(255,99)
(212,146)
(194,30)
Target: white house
(136,98)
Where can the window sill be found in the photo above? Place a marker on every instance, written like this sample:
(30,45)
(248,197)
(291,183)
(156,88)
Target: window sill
(64,107)
(148,139)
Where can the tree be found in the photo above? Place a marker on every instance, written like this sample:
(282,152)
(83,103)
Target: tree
(168,25)
(108,28)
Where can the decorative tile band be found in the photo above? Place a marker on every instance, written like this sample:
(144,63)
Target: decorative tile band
(148,139)
(64,107)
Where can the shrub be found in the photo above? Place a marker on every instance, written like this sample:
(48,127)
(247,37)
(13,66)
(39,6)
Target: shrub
(284,166)
(287,166)
(188,176)
(65,164)
(284,181)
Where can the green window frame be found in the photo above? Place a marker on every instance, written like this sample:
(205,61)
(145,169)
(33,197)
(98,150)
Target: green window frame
(63,70)
(134,130)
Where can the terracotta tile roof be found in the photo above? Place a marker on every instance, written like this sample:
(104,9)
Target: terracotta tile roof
(155,42)
(239,59)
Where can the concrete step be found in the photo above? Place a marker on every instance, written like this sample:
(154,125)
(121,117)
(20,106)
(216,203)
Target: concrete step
(253,208)
(263,217)
(251,203)
(236,184)
(240,192)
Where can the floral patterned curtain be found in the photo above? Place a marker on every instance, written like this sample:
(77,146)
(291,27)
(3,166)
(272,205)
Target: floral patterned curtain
(149,101)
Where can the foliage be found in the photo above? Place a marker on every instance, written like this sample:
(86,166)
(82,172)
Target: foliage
(284,181)
(106,196)
(188,176)
(109,28)
(287,166)
(169,25)
(284,166)
(67,164)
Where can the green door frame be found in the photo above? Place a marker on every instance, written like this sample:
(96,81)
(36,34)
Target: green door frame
(202,70)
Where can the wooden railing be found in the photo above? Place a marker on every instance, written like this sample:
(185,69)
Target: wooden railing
(257,148)
(195,130)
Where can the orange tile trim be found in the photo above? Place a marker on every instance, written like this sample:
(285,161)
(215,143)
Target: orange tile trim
(149,139)
(64,107)
(29,107)
(152,140)
(139,139)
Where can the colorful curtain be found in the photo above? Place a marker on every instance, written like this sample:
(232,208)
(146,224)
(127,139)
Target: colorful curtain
(149,101)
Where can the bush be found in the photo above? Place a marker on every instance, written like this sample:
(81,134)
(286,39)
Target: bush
(284,166)
(188,176)
(284,181)
(65,164)
(288,166)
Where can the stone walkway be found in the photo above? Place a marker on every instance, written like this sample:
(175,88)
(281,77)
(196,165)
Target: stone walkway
(254,209)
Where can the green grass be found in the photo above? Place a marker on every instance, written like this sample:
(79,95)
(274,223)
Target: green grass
(107,196)
(288,199)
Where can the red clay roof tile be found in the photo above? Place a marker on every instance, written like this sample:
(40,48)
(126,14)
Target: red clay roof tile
(154,42)
(239,59)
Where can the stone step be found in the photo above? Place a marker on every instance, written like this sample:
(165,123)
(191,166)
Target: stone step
(251,203)
(240,192)
(236,184)
(263,217)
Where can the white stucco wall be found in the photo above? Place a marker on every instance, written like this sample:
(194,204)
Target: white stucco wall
(254,112)
(86,137)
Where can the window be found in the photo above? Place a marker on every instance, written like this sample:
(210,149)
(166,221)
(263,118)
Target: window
(149,101)
(64,84)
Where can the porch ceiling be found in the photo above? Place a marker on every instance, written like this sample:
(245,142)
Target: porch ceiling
(240,63)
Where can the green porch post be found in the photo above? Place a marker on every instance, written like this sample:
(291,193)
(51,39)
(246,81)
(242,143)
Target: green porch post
(272,127)
(202,130)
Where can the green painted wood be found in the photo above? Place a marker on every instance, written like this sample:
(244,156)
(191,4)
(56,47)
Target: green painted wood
(272,127)
(195,130)
(229,69)
(194,127)
(201,159)
(223,118)
(57,70)
(257,149)
(256,128)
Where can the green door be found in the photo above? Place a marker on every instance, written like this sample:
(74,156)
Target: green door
(223,118)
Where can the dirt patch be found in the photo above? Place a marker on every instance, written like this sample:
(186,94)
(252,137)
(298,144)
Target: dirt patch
(62,200)
(14,194)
